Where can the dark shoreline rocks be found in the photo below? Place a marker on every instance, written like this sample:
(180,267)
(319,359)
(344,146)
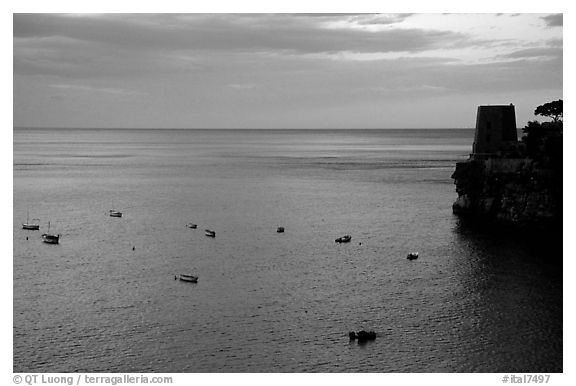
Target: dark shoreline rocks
(511,191)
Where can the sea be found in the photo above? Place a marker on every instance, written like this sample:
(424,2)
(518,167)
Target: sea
(106,298)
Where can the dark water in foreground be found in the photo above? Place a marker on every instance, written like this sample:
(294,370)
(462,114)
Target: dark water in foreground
(474,301)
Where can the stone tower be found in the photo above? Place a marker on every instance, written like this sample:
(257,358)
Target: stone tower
(495,130)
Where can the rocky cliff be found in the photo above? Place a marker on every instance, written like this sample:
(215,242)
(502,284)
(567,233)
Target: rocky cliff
(519,191)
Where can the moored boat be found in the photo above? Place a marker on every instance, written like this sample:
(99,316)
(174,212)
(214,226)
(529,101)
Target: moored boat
(49,238)
(344,239)
(115,213)
(209,233)
(30,226)
(188,278)
(412,256)
(362,336)
(191,226)
(280,230)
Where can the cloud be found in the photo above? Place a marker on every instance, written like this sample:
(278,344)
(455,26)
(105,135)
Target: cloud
(380,19)
(504,76)
(238,33)
(91,46)
(554,43)
(92,89)
(555,20)
(539,52)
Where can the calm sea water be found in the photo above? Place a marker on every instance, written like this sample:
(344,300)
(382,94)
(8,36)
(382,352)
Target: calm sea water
(475,301)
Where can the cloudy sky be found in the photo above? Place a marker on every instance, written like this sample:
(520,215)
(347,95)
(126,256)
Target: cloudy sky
(281,71)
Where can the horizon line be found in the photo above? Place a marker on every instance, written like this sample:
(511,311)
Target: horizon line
(238,128)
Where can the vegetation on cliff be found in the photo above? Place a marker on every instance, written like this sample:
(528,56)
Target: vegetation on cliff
(552,110)
(543,141)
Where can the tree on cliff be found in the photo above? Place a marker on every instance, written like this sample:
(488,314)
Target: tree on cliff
(551,109)
(544,140)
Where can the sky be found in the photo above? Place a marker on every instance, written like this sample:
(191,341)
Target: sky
(281,70)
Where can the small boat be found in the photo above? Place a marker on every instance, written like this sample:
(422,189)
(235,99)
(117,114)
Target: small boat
(344,239)
(188,278)
(280,230)
(209,233)
(362,336)
(115,213)
(412,256)
(30,226)
(191,226)
(50,238)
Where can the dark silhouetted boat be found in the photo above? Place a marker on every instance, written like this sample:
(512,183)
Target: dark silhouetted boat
(362,336)
(344,239)
(280,230)
(188,278)
(412,256)
(30,226)
(191,226)
(49,238)
(209,233)
(115,213)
